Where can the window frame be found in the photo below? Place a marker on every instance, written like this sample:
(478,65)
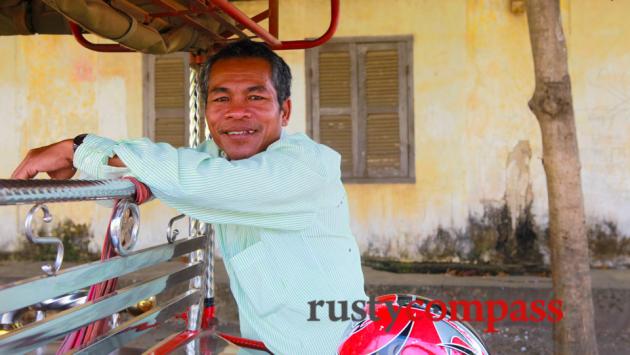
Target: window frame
(148,94)
(358,108)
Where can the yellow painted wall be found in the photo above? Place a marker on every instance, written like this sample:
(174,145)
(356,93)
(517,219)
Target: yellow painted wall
(473,76)
(52,89)
(476,142)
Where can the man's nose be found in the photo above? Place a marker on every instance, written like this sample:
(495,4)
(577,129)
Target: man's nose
(237,110)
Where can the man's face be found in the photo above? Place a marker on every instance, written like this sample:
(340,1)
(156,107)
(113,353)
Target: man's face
(242,111)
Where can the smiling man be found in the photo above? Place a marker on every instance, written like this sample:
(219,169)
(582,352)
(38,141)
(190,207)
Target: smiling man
(276,200)
(240,88)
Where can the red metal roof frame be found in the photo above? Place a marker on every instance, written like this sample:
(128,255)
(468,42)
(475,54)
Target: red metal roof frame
(270,35)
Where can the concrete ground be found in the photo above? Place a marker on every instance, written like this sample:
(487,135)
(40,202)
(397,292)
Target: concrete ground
(611,290)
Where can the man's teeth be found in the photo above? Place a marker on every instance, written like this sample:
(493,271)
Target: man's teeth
(241,132)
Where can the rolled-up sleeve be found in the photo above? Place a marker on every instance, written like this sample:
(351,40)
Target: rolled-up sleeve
(277,188)
(92,155)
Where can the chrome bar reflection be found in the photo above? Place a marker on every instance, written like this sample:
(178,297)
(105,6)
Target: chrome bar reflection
(172,233)
(209,276)
(37,334)
(16,192)
(193,347)
(140,325)
(196,230)
(27,292)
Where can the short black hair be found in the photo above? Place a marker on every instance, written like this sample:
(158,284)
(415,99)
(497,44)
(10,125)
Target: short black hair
(280,71)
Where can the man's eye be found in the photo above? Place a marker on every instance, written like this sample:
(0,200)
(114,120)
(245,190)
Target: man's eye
(221,99)
(256,97)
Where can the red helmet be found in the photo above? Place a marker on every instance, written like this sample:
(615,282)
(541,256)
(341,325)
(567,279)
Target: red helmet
(412,332)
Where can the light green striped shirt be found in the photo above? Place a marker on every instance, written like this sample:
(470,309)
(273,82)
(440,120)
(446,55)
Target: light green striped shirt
(282,225)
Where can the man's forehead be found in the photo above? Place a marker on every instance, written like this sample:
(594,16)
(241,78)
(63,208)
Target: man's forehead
(240,68)
(249,88)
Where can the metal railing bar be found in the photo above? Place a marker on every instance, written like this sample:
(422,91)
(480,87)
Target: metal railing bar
(140,325)
(230,28)
(77,33)
(274,10)
(232,11)
(37,334)
(17,192)
(325,37)
(257,18)
(27,292)
(191,20)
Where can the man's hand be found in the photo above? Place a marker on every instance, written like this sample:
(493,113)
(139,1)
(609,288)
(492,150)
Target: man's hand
(54,159)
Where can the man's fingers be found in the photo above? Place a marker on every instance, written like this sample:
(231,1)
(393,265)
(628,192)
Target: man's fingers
(19,168)
(24,173)
(62,174)
(20,172)
(55,159)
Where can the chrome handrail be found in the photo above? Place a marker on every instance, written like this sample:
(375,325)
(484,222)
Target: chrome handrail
(123,234)
(19,192)
(14,192)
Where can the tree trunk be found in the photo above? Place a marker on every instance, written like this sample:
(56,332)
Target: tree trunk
(553,106)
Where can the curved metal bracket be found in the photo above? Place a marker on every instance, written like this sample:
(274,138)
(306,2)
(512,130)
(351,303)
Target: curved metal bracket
(123,236)
(108,48)
(50,270)
(171,234)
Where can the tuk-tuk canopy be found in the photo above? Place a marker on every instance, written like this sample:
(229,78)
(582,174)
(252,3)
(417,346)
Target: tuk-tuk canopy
(150,26)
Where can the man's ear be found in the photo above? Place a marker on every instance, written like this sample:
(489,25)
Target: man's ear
(285,112)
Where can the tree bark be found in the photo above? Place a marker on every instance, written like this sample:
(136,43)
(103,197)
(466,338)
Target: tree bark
(552,104)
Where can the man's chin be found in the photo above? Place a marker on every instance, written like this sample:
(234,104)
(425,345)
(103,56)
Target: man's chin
(238,154)
(236,151)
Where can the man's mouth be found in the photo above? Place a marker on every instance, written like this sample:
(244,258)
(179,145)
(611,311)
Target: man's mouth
(240,133)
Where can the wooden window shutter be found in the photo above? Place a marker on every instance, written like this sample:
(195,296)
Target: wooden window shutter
(334,108)
(383,102)
(171,99)
(361,105)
